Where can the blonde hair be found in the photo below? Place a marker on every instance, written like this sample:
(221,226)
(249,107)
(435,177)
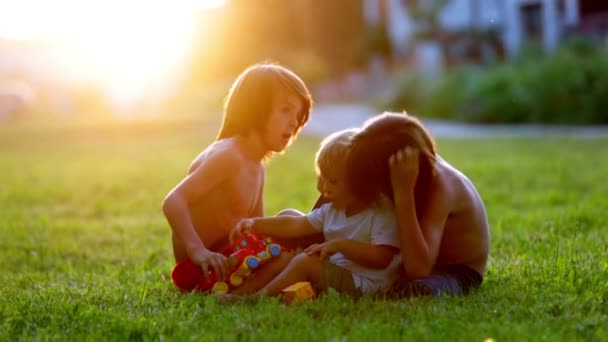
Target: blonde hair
(334,150)
(251,97)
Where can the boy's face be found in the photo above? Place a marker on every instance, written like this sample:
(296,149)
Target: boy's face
(332,184)
(283,121)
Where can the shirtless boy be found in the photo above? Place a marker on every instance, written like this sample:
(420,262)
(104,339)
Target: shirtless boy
(264,111)
(441,219)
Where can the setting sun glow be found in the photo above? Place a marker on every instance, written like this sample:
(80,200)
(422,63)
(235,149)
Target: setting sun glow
(131,48)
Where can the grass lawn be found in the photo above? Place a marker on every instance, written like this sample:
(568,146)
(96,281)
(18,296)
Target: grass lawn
(85,252)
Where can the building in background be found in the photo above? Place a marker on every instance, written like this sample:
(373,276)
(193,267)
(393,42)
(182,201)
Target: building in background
(515,22)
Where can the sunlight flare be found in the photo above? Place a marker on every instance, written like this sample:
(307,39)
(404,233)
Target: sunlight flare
(130,48)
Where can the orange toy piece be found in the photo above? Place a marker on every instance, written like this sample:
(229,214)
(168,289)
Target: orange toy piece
(298,292)
(244,256)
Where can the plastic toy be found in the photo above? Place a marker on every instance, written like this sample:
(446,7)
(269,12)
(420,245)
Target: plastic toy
(244,256)
(298,292)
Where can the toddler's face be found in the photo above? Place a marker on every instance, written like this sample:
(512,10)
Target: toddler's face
(332,184)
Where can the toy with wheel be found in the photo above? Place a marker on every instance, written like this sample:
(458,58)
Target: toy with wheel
(244,256)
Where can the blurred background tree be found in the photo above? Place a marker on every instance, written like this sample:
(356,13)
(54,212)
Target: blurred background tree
(317,38)
(496,61)
(426,13)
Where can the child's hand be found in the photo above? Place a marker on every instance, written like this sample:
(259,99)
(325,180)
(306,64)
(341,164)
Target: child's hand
(209,259)
(325,249)
(404,168)
(243,226)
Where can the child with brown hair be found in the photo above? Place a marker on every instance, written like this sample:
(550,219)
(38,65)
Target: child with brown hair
(265,109)
(441,219)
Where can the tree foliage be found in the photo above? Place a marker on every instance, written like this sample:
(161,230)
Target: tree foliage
(311,36)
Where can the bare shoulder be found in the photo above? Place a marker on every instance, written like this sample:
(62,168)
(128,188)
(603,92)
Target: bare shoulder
(454,186)
(220,154)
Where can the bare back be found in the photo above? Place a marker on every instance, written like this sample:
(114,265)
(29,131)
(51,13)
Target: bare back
(238,197)
(465,238)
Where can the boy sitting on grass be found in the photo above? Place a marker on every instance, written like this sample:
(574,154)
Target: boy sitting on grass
(441,219)
(266,108)
(360,254)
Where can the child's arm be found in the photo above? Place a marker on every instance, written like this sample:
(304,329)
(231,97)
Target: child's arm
(419,238)
(276,226)
(364,254)
(212,172)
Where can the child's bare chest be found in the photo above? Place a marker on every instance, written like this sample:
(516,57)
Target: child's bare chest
(245,189)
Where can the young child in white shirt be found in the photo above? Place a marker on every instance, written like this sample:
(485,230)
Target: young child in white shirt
(361,251)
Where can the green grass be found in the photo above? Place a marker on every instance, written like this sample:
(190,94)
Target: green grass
(85,252)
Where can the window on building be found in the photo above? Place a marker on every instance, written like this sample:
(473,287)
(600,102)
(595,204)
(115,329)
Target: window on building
(561,8)
(594,18)
(587,7)
(531,15)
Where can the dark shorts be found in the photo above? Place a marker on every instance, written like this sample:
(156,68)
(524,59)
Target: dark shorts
(455,280)
(339,279)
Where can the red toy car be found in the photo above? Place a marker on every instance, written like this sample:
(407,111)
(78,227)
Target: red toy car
(244,256)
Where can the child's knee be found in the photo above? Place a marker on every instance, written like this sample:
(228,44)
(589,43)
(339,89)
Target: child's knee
(306,261)
(280,262)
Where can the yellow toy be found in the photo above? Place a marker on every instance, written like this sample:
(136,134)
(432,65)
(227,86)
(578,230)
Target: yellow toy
(298,292)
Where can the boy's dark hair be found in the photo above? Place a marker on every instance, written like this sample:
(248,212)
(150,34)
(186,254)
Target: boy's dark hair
(368,172)
(251,97)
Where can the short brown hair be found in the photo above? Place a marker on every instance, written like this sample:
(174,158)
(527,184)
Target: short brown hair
(368,171)
(251,97)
